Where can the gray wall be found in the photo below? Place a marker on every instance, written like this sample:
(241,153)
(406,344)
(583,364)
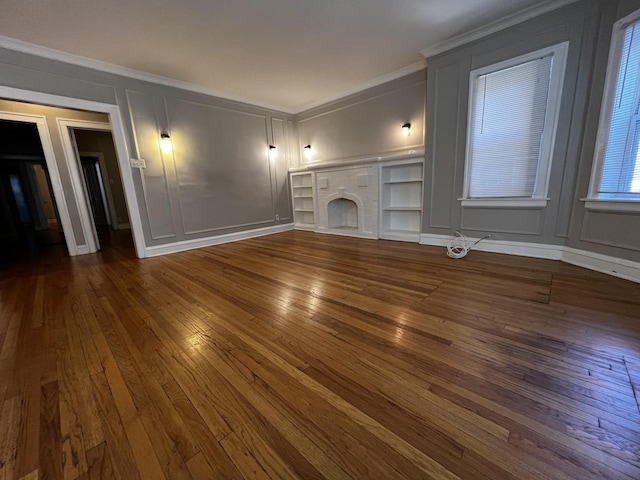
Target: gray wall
(587,26)
(367,124)
(219,177)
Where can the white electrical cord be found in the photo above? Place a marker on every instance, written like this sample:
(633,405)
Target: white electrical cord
(459,245)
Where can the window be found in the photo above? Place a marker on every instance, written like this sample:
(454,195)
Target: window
(615,180)
(513,112)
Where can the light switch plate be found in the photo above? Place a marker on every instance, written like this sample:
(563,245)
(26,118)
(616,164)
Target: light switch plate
(137,163)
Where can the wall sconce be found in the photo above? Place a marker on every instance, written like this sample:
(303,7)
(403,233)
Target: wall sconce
(406,129)
(272,151)
(307,150)
(165,142)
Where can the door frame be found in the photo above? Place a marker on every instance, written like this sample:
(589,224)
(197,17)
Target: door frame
(72,158)
(120,143)
(106,180)
(56,183)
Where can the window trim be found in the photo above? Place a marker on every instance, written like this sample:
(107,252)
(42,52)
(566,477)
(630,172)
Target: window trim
(594,200)
(556,84)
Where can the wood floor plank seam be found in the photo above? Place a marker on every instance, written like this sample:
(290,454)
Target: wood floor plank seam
(298,355)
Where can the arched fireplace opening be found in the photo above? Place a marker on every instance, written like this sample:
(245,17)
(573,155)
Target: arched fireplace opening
(343,213)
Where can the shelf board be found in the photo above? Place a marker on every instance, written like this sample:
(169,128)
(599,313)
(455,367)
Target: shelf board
(305,210)
(303,186)
(391,182)
(402,209)
(305,226)
(303,196)
(401,235)
(402,232)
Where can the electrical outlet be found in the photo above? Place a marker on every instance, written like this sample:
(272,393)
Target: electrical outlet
(137,163)
(277,217)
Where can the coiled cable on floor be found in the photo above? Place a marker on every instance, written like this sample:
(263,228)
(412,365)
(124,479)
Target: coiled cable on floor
(460,245)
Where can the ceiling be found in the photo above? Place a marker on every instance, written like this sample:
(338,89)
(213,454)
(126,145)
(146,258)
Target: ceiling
(286,54)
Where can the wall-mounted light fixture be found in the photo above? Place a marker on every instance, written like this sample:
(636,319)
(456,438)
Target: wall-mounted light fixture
(307,150)
(165,142)
(406,129)
(272,147)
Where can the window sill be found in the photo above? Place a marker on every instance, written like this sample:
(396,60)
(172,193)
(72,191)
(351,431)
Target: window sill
(611,205)
(504,202)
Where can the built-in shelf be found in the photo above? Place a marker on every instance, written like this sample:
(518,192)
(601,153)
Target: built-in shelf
(401,181)
(401,185)
(402,209)
(302,186)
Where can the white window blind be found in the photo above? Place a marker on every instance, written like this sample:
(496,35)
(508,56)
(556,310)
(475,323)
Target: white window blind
(507,126)
(621,169)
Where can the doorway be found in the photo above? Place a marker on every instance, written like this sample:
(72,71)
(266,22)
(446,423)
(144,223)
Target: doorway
(63,165)
(29,219)
(92,160)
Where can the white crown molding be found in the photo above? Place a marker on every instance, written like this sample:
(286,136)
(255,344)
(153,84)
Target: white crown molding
(60,56)
(617,267)
(403,155)
(184,245)
(493,27)
(414,67)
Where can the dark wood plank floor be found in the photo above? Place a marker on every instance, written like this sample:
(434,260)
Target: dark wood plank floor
(308,356)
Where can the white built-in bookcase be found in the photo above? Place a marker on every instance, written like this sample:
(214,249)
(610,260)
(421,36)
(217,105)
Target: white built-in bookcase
(302,187)
(401,185)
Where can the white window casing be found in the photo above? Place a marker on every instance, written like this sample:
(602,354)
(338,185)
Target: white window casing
(513,114)
(615,175)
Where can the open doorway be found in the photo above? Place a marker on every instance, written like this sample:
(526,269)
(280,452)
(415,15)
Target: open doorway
(29,219)
(50,112)
(95,152)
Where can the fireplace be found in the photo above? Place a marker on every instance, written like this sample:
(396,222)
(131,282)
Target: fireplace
(347,200)
(343,213)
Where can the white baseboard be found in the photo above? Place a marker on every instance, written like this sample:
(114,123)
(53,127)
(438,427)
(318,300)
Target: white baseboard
(616,267)
(217,240)
(536,250)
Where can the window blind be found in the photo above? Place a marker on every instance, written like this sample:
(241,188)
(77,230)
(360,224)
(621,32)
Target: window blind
(621,168)
(508,118)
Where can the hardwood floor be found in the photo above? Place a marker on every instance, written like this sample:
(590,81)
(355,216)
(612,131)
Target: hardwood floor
(308,356)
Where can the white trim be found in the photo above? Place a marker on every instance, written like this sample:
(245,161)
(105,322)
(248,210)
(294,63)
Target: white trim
(400,236)
(547,142)
(54,175)
(616,267)
(60,56)
(78,187)
(610,205)
(119,140)
(493,27)
(606,108)
(523,249)
(358,161)
(414,67)
(216,240)
(503,202)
